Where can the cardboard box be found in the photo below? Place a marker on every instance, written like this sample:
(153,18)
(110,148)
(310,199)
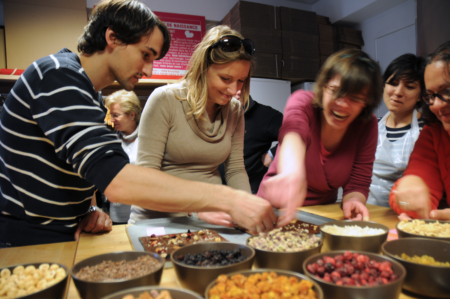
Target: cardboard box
(249,14)
(266,41)
(298,20)
(268,65)
(350,36)
(299,68)
(300,44)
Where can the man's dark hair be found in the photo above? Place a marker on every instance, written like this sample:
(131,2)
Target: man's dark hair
(129,19)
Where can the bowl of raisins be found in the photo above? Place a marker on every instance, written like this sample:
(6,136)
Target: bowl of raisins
(197,265)
(427,264)
(356,274)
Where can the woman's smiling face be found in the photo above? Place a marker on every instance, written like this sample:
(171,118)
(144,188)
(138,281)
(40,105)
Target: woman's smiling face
(339,113)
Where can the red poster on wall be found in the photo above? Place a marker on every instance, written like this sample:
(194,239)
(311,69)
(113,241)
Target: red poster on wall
(187,31)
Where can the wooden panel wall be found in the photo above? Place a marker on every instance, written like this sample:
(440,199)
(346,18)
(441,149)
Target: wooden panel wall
(37,28)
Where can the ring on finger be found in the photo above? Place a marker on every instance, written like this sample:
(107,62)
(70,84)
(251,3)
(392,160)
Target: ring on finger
(403,203)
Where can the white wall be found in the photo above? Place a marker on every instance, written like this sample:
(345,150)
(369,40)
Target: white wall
(273,93)
(214,10)
(389,35)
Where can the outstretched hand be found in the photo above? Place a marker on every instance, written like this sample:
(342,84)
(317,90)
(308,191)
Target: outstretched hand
(355,210)
(285,191)
(94,222)
(443,214)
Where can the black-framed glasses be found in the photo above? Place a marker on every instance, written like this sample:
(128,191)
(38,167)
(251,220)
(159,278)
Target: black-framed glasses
(232,43)
(333,91)
(443,96)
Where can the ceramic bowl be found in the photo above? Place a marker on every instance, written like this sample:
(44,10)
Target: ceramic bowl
(359,243)
(407,234)
(97,289)
(197,278)
(174,293)
(422,279)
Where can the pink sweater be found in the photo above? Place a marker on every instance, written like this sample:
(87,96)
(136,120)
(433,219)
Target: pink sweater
(349,166)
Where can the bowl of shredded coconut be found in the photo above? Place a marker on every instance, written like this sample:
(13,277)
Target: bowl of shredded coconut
(353,235)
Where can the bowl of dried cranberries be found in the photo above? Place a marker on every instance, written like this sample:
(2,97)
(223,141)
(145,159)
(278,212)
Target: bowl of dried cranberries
(356,274)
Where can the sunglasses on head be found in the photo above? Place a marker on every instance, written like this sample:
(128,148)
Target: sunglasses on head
(232,43)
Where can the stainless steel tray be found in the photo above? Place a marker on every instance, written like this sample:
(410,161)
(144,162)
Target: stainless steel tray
(182,224)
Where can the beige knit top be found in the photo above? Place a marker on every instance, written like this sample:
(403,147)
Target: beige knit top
(190,148)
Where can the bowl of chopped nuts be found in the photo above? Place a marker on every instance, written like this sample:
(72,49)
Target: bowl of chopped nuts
(427,264)
(148,292)
(37,280)
(353,235)
(285,250)
(356,274)
(104,274)
(264,283)
(198,264)
(426,228)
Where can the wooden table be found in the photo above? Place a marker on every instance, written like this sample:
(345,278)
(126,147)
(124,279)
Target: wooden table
(117,240)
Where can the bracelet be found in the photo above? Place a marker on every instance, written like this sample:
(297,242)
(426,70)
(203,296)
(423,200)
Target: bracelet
(92,209)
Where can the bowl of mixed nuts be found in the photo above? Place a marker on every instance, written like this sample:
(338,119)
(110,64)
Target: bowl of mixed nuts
(284,249)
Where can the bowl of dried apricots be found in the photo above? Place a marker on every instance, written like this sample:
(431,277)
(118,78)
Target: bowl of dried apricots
(266,283)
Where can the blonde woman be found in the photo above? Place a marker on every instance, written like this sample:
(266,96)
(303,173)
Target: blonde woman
(124,114)
(189,128)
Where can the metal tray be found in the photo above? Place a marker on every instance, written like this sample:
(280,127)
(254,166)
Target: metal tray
(182,224)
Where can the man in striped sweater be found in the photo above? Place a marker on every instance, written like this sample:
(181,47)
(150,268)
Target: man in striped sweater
(55,150)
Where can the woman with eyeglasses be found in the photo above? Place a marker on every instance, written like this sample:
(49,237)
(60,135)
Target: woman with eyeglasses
(423,191)
(399,129)
(189,128)
(124,115)
(328,139)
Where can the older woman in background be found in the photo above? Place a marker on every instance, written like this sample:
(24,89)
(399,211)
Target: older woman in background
(124,114)
(424,190)
(399,129)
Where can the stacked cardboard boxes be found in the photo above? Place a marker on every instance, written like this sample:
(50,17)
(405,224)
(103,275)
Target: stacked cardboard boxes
(300,38)
(260,23)
(290,44)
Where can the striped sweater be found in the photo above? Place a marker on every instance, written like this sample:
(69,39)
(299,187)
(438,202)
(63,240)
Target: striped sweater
(54,147)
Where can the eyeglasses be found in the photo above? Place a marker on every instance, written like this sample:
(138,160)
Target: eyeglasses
(443,96)
(333,91)
(232,43)
(116,115)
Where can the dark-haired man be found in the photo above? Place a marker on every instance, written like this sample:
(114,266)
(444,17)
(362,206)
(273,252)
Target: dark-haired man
(55,150)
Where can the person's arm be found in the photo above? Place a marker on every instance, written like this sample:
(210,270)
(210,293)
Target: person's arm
(235,174)
(289,187)
(421,188)
(356,190)
(154,127)
(153,189)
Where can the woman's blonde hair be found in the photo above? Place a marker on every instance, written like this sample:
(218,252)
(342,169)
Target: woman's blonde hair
(196,75)
(128,101)
(359,74)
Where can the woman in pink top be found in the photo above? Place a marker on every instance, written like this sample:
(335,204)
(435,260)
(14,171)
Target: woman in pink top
(328,139)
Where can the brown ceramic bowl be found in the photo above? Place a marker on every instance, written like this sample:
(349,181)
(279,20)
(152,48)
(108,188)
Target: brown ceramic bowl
(388,291)
(97,289)
(426,280)
(174,293)
(359,243)
(403,234)
(316,287)
(291,261)
(58,290)
(197,278)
